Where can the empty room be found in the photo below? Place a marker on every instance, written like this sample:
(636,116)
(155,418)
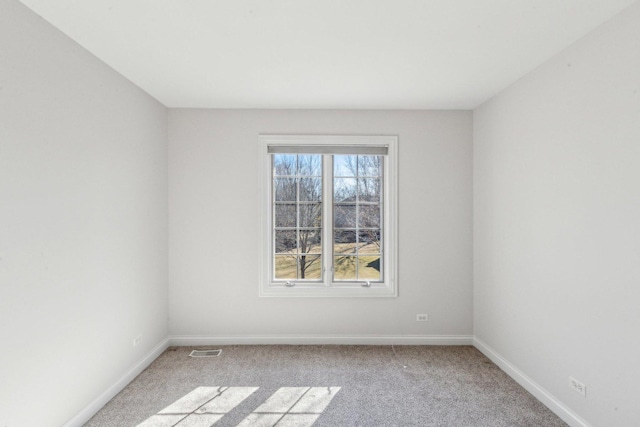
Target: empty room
(327,213)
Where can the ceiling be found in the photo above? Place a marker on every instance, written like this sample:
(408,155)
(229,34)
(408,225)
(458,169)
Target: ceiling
(370,54)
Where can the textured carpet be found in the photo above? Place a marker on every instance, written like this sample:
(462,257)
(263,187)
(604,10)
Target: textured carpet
(335,385)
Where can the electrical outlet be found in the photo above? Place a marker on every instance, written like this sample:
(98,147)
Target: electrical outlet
(422,317)
(577,386)
(137,340)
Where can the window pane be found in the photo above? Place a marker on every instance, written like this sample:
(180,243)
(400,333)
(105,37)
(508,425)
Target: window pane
(369,268)
(286,241)
(344,267)
(310,266)
(297,184)
(370,165)
(310,215)
(344,216)
(310,189)
(285,215)
(344,242)
(344,190)
(344,166)
(310,241)
(310,165)
(369,216)
(285,189)
(284,164)
(369,190)
(369,241)
(285,267)
(297,188)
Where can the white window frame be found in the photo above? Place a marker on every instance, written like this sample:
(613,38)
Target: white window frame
(388,286)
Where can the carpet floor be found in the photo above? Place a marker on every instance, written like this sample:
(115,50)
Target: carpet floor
(324,385)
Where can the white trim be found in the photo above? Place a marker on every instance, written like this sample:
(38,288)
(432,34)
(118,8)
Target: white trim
(198,340)
(539,392)
(92,408)
(338,291)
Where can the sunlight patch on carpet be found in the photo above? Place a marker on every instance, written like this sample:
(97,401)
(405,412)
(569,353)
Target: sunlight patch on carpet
(202,407)
(205,406)
(291,406)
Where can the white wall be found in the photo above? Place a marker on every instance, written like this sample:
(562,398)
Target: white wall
(557,223)
(83,214)
(83,224)
(214,226)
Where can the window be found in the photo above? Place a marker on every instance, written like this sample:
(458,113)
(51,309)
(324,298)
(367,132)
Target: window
(329,215)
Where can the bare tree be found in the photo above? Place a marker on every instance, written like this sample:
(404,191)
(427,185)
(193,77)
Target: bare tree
(298,195)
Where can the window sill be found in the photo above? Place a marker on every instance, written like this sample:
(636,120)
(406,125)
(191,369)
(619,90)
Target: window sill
(341,291)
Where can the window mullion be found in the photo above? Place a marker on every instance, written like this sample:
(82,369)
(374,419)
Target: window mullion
(297,255)
(272,220)
(383,224)
(327,218)
(357,219)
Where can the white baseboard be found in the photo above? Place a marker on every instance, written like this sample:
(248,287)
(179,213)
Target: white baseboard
(92,408)
(199,340)
(549,400)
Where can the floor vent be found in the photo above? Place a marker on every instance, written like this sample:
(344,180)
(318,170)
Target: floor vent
(205,353)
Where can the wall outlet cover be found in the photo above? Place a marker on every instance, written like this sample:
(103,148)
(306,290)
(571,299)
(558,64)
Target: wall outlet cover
(577,386)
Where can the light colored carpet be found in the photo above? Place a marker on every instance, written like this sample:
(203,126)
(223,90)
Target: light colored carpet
(325,386)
